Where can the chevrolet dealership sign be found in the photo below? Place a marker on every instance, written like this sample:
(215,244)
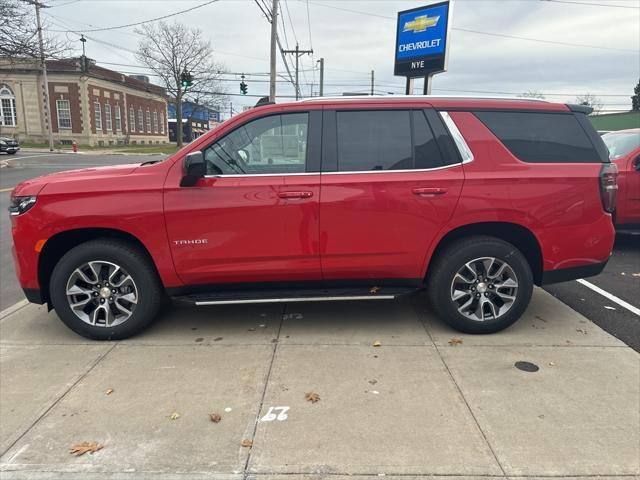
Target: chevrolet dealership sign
(421,40)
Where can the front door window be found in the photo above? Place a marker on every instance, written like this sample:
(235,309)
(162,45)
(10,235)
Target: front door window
(274,145)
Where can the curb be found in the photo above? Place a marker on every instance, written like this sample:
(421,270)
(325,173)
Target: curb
(13,308)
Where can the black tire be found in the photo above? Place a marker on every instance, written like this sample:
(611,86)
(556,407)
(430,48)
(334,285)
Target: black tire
(137,265)
(11,153)
(453,258)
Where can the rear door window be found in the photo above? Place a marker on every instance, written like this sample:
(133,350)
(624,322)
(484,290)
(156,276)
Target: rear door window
(541,137)
(376,140)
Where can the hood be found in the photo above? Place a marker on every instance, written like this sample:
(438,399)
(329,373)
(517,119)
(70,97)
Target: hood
(35,185)
(6,139)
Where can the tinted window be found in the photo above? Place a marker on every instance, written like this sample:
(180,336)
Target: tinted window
(374,140)
(425,148)
(271,145)
(541,137)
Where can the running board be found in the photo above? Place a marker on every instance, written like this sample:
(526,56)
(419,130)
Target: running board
(281,296)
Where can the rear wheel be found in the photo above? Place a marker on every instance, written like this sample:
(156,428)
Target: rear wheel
(105,290)
(480,285)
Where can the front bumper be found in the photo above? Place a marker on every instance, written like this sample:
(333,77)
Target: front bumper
(9,148)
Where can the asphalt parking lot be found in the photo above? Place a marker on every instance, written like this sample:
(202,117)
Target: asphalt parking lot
(419,404)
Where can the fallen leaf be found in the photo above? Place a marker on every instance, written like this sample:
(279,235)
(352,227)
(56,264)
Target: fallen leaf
(215,418)
(200,339)
(313,397)
(455,341)
(174,416)
(246,442)
(109,391)
(374,290)
(373,382)
(217,339)
(377,343)
(580,330)
(84,447)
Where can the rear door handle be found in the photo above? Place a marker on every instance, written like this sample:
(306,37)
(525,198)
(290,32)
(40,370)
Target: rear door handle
(302,194)
(429,191)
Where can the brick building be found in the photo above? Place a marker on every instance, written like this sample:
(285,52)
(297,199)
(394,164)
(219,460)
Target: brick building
(89,104)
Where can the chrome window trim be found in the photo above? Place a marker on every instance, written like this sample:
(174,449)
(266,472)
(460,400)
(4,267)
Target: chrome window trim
(461,144)
(242,175)
(350,172)
(295,299)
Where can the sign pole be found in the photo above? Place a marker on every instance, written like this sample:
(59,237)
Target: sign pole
(409,86)
(428,80)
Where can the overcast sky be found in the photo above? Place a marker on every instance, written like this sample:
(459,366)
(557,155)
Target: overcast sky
(354,43)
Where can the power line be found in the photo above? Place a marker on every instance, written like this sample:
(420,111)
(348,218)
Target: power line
(144,21)
(516,37)
(592,4)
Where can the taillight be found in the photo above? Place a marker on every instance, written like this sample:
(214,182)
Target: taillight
(609,186)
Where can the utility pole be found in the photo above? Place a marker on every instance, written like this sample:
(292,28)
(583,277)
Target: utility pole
(297,52)
(321,62)
(43,66)
(272,58)
(372,80)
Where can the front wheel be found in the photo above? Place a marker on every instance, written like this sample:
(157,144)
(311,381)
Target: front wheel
(480,285)
(105,290)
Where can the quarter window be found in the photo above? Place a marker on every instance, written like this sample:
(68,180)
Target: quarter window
(63,110)
(541,137)
(374,140)
(7,107)
(97,111)
(275,144)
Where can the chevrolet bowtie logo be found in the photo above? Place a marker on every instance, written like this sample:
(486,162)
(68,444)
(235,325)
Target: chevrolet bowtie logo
(420,24)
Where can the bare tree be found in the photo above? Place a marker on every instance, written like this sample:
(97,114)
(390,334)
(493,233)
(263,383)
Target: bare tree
(19,33)
(169,49)
(533,94)
(590,100)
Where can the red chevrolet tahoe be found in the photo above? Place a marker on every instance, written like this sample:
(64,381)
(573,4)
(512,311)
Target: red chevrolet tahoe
(475,200)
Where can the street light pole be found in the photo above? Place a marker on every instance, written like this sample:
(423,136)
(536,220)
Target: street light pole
(43,66)
(272,59)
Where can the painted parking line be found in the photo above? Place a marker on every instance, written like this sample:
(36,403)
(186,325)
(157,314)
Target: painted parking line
(610,296)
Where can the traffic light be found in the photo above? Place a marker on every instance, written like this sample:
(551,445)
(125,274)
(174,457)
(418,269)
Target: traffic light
(243,88)
(186,80)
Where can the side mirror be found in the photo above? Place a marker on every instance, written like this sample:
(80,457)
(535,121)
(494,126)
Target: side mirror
(194,169)
(636,163)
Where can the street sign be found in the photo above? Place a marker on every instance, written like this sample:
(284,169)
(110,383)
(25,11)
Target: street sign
(422,40)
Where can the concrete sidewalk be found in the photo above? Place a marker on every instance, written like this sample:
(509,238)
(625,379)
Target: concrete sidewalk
(415,407)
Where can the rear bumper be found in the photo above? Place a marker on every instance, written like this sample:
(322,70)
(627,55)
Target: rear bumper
(573,273)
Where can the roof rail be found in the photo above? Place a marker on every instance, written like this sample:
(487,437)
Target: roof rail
(419,97)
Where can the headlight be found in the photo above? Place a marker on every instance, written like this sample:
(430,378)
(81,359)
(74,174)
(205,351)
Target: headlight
(19,205)
(2,142)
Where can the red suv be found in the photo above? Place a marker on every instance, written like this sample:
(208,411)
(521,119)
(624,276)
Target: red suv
(624,151)
(475,200)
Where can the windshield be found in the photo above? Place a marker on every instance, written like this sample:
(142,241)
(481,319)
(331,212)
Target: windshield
(620,144)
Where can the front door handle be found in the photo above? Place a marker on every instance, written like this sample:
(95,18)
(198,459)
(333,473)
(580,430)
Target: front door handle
(289,195)
(429,191)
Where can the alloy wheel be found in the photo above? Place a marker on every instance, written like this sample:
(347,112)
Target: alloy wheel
(484,289)
(102,293)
